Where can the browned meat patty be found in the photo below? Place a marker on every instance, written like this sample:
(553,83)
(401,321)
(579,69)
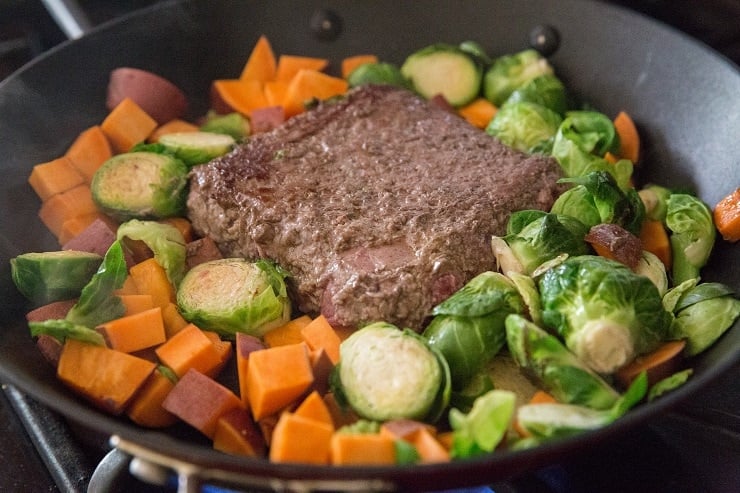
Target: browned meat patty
(380,205)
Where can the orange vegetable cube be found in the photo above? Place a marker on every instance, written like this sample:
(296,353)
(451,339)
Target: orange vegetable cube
(300,439)
(237,433)
(727,216)
(243,96)
(479,112)
(352,62)
(289,65)
(173,321)
(288,333)
(134,332)
(89,151)
(71,203)
(127,125)
(146,407)
(54,177)
(320,335)
(135,303)
(261,64)
(190,348)
(629,138)
(362,449)
(107,378)
(151,278)
(276,377)
(314,407)
(309,84)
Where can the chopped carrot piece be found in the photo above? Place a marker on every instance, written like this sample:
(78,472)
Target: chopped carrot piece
(628,136)
(429,447)
(300,439)
(352,62)
(320,335)
(261,64)
(727,216)
(289,65)
(54,177)
(106,377)
(237,433)
(89,150)
(127,125)
(173,321)
(479,112)
(308,85)
(288,333)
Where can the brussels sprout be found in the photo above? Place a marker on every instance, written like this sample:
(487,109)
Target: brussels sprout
(653,268)
(550,421)
(233,124)
(546,90)
(478,385)
(98,303)
(510,72)
(377,73)
(528,291)
(44,277)
(655,199)
(446,70)
(164,240)
(234,295)
(692,235)
(468,327)
(387,373)
(581,142)
(525,126)
(475,50)
(535,237)
(483,428)
(558,370)
(596,198)
(197,147)
(605,313)
(671,297)
(140,185)
(703,313)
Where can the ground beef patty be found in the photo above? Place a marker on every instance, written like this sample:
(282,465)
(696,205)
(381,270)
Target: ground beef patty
(379,205)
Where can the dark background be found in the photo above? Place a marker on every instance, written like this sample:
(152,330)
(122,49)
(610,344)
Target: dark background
(696,449)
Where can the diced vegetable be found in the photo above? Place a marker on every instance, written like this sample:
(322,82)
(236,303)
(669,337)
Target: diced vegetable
(127,125)
(614,242)
(479,112)
(89,151)
(149,277)
(145,409)
(234,295)
(726,216)
(237,95)
(54,177)
(362,449)
(350,63)
(43,277)
(141,185)
(288,66)
(165,240)
(307,85)
(172,126)
(236,433)
(300,439)
(107,378)
(261,64)
(61,207)
(658,364)
(654,238)
(629,138)
(197,147)
(190,349)
(318,334)
(157,96)
(288,333)
(387,373)
(446,70)
(132,333)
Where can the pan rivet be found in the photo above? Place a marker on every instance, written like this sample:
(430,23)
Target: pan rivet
(545,39)
(326,25)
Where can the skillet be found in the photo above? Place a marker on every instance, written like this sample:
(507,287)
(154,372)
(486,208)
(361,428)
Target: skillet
(683,96)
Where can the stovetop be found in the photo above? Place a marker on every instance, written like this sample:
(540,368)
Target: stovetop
(694,448)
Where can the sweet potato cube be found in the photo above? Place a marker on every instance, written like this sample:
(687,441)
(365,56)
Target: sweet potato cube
(237,433)
(134,332)
(200,401)
(136,303)
(107,378)
(190,349)
(127,125)
(173,321)
(429,448)
(89,151)
(320,335)
(276,377)
(245,345)
(288,333)
(54,177)
(146,408)
(300,439)
(314,407)
(151,278)
(362,449)
(58,208)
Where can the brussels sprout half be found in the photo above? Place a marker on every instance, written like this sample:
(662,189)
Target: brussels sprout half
(234,295)
(510,72)
(387,373)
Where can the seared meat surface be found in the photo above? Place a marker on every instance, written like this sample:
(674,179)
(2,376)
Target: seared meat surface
(380,205)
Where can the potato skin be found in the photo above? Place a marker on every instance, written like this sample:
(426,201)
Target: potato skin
(159,97)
